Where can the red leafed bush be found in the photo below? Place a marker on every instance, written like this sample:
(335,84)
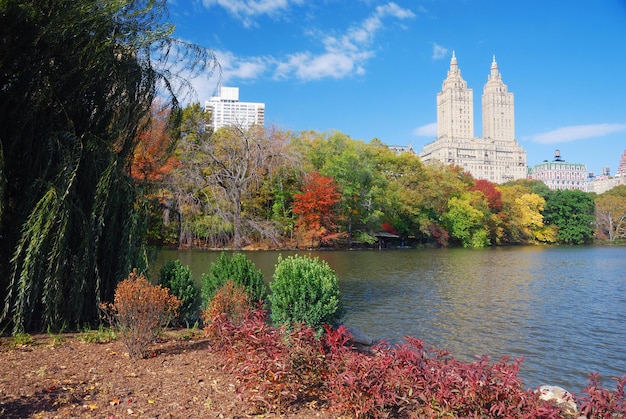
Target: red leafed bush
(601,402)
(409,381)
(278,369)
(259,358)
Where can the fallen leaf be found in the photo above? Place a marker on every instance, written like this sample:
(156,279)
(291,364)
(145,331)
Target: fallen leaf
(93,406)
(114,402)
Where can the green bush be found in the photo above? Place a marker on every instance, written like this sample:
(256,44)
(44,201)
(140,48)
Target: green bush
(305,291)
(235,267)
(179,280)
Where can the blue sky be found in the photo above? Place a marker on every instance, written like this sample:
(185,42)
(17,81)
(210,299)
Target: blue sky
(373,68)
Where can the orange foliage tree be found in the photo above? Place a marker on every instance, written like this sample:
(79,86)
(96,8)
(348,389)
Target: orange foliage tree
(315,204)
(153,158)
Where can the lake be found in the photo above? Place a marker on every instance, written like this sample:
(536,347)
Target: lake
(561,308)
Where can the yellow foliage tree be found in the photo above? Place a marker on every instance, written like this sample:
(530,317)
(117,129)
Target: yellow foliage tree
(611,213)
(530,207)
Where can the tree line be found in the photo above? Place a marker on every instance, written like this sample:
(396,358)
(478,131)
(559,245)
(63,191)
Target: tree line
(264,187)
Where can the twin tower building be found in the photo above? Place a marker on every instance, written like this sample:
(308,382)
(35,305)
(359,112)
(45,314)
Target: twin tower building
(496,156)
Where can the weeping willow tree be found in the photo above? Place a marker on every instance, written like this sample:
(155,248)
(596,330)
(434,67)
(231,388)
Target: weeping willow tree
(77,79)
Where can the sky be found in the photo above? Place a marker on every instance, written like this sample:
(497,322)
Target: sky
(373,68)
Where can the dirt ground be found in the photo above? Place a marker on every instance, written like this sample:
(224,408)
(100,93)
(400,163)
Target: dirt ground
(60,376)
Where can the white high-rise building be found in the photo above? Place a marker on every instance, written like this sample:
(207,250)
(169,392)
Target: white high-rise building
(455,106)
(226,109)
(496,156)
(498,108)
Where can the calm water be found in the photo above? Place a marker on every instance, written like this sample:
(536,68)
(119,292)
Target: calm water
(563,309)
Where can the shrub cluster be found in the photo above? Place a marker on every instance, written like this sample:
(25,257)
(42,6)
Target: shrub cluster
(304,290)
(280,368)
(140,311)
(179,280)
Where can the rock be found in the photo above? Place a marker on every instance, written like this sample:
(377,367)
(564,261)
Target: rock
(560,398)
(359,337)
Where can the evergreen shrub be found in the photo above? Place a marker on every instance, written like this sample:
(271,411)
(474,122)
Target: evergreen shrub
(179,280)
(305,290)
(235,267)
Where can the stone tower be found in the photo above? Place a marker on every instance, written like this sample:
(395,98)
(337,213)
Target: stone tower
(455,108)
(498,108)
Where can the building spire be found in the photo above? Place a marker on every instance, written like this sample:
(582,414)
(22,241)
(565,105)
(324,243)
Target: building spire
(494,68)
(454,65)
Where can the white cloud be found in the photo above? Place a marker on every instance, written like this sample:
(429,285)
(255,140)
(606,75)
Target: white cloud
(429,130)
(343,55)
(246,10)
(234,67)
(439,52)
(577,132)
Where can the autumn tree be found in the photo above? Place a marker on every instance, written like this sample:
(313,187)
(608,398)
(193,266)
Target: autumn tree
(529,217)
(315,205)
(611,213)
(152,167)
(153,157)
(185,196)
(233,164)
(401,198)
(522,215)
(491,192)
(466,219)
(351,164)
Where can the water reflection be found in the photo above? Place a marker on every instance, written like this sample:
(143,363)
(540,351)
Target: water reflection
(560,308)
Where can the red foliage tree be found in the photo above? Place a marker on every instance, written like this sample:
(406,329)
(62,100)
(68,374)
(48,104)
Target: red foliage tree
(389,228)
(315,204)
(494,198)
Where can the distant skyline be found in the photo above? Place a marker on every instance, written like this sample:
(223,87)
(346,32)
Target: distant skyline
(372,69)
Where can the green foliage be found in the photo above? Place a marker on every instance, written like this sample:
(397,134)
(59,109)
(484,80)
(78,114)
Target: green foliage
(179,280)
(467,223)
(78,80)
(21,339)
(305,290)
(237,268)
(100,335)
(363,237)
(378,190)
(572,212)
